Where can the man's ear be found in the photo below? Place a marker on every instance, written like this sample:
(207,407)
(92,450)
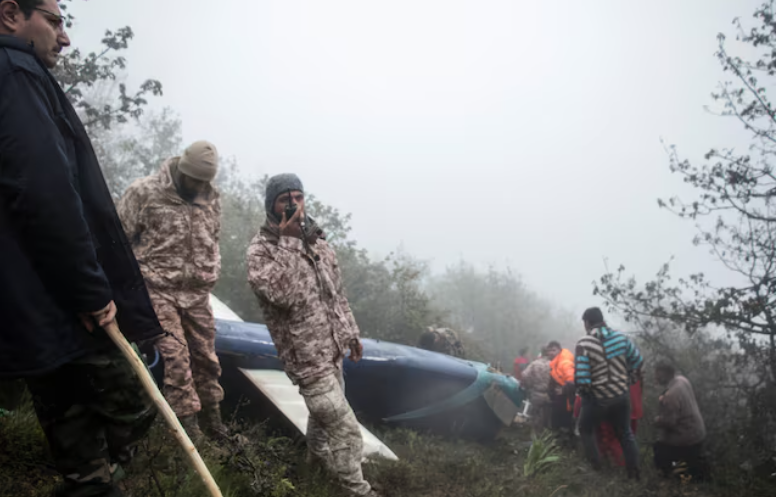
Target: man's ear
(10,16)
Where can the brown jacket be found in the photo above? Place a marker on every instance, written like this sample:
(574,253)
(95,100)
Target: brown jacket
(303,301)
(680,422)
(175,242)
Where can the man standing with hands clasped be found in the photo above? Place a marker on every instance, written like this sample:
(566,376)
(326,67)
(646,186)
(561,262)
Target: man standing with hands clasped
(173,221)
(297,280)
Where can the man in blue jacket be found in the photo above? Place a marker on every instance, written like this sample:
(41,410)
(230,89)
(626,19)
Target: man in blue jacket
(66,268)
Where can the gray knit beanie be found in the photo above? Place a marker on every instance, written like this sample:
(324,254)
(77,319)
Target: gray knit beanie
(278,185)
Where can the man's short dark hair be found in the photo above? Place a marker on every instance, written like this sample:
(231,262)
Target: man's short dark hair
(27,6)
(593,316)
(524,351)
(554,344)
(666,367)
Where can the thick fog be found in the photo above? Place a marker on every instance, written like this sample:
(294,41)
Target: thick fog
(501,132)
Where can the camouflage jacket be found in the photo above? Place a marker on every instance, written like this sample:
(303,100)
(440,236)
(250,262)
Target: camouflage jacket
(536,377)
(304,304)
(448,342)
(175,242)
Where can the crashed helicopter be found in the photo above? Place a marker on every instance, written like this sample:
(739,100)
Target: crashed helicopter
(393,384)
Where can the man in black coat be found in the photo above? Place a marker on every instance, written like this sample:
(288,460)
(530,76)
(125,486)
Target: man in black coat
(66,267)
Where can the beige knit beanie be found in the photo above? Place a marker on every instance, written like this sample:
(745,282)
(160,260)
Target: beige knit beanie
(199,161)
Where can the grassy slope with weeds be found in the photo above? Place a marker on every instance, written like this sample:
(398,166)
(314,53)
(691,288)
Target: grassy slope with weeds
(273,465)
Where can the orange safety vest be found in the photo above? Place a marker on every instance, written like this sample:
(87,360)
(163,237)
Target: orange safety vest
(562,367)
(562,370)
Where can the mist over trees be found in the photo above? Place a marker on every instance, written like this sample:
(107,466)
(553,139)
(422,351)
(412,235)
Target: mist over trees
(393,298)
(501,313)
(723,337)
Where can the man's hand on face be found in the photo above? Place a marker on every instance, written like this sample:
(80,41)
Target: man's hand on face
(292,227)
(103,317)
(356,350)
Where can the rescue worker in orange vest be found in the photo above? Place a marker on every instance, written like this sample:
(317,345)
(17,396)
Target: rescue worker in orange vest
(561,390)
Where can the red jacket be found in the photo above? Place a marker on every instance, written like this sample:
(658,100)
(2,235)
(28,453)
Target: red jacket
(637,410)
(520,364)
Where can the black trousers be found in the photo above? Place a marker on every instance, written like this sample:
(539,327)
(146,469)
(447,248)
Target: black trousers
(562,420)
(93,411)
(692,455)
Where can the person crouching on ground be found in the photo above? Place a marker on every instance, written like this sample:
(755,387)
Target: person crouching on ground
(295,276)
(442,340)
(681,430)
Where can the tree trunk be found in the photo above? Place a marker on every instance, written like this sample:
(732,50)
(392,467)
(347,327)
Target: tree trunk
(773,357)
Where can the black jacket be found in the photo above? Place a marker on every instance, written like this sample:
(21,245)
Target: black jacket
(62,246)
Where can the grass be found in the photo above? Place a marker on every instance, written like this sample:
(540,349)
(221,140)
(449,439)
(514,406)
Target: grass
(542,455)
(272,464)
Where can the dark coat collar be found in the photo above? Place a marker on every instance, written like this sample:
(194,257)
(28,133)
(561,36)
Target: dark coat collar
(16,43)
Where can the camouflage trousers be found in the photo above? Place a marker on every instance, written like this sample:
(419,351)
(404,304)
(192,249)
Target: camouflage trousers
(191,366)
(333,433)
(93,411)
(539,411)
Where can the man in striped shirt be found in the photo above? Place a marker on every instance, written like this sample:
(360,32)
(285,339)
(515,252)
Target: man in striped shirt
(605,365)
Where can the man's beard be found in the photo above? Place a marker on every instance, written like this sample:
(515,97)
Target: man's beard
(187,195)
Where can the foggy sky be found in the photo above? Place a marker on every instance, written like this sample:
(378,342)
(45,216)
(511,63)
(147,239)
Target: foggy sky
(522,133)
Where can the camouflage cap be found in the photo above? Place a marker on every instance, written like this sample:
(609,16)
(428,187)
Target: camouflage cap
(279,184)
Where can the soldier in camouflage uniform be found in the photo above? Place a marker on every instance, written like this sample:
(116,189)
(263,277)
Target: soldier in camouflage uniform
(443,340)
(297,280)
(173,220)
(536,379)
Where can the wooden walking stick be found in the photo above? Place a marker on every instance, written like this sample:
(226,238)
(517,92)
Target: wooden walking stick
(172,420)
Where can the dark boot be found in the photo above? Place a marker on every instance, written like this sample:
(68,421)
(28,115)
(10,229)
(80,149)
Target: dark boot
(191,425)
(212,424)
